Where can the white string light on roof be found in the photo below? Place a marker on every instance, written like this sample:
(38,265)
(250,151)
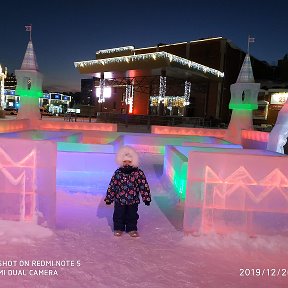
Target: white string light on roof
(170,58)
(115,50)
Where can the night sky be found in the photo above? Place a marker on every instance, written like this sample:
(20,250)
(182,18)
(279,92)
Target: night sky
(65,31)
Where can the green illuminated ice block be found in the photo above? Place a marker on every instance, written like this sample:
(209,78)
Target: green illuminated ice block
(29,93)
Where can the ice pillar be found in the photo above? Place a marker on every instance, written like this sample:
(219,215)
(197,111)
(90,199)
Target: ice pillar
(29,86)
(243,101)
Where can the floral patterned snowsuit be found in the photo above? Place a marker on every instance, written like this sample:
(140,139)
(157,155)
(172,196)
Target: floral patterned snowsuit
(126,184)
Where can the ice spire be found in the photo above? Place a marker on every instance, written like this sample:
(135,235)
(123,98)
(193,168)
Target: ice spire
(246,72)
(29,61)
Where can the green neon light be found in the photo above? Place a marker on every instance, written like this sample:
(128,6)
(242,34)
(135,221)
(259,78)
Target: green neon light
(180,186)
(179,181)
(243,106)
(30,93)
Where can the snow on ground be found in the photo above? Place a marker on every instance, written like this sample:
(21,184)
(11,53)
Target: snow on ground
(18,232)
(161,257)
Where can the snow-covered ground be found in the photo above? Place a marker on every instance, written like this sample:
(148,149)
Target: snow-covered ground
(89,255)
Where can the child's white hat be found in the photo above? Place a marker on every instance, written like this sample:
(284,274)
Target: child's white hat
(127,153)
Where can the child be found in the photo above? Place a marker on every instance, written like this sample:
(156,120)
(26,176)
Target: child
(124,188)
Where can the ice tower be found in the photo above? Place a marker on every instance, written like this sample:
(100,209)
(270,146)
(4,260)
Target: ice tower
(29,86)
(278,135)
(243,101)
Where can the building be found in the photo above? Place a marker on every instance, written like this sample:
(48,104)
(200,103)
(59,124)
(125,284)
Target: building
(270,102)
(53,102)
(87,92)
(185,79)
(10,82)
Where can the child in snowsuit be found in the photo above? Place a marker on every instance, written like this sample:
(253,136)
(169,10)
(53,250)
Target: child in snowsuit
(127,182)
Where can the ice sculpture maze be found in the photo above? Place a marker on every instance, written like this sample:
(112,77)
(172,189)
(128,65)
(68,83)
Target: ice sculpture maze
(222,185)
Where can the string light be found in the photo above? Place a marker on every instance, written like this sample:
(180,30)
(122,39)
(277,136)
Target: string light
(162,89)
(170,58)
(101,95)
(187,92)
(115,50)
(169,101)
(129,93)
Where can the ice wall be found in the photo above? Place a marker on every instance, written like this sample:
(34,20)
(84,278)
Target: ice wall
(253,139)
(176,161)
(81,126)
(168,130)
(228,194)
(85,169)
(14,125)
(152,143)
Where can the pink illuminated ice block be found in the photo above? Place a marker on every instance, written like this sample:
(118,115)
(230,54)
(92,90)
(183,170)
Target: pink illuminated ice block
(28,181)
(246,193)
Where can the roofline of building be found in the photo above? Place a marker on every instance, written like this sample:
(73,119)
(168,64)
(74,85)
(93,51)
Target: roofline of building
(155,59)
